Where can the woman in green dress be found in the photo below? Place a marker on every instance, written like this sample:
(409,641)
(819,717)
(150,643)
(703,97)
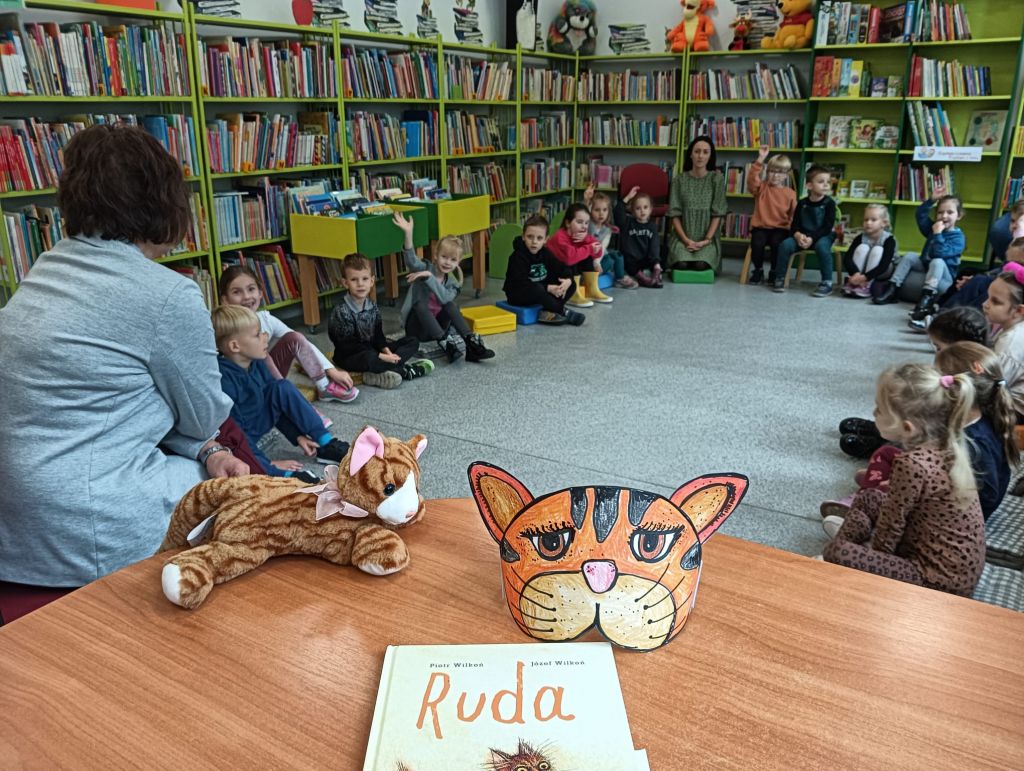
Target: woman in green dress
(696,208)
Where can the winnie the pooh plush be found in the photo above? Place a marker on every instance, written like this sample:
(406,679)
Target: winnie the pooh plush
(695,30)
(796,28)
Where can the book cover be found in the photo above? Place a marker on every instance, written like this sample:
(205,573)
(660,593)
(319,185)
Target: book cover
(890,28)
(460,706)
(862,132)
(887,137)
(820,136)
(839,131)
(985,129)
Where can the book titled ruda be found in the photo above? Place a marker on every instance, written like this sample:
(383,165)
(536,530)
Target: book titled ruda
(540,705)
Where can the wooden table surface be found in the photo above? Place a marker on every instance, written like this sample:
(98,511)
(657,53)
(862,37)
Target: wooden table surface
(785,663)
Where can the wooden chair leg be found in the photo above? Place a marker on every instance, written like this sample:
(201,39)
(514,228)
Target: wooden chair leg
(839,268)
(745,270)
(800,267)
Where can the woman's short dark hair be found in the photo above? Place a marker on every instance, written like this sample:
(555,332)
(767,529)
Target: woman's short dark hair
(712,159)
(119,183)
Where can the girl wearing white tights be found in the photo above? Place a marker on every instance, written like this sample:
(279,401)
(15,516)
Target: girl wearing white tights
(870,256)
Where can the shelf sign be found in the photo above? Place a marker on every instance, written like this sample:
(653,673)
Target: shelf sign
(929,153)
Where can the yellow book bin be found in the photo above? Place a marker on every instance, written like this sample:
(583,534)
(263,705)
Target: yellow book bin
(489,320)
(458,216)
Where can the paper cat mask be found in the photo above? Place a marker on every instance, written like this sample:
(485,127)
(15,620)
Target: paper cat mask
(624,561)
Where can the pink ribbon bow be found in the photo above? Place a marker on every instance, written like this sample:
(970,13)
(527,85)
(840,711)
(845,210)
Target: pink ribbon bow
(1016,269)
(329,502)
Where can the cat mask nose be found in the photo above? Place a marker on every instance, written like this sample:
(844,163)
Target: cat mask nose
(600,575)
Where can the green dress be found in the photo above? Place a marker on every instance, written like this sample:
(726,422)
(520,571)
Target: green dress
(696,200)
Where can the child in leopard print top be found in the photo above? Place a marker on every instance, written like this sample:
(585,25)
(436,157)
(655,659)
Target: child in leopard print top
(928,530)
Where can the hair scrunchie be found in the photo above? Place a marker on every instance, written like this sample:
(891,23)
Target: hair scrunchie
(946,381)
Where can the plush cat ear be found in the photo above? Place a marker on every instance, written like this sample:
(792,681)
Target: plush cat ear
(367,444)
(499,496)
(418,444)
(709,499)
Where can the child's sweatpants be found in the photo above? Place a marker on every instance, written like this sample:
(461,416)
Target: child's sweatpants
(369,360)
(289,348)
(761,238)
(537,294)
(822,248)
(613,262)
(424,326)
(852,545)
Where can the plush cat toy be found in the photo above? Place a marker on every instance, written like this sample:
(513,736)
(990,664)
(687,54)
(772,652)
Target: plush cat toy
(351,519)
(574,30)
(626,562)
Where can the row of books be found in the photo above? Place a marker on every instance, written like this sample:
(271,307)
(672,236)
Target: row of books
(223,8)
(373,73)
(382,16)
(845,23)
(929,125)
(918,182)
(469,132)
(379,136)
(540,174)
(608,129)
(89,59)
(276,272)
(259,68)
(541,85)
(843,77)
(253,141)
(735,177)
(1013,192)
(467,25)
(933,77)
(628,38)
(746,132)
(491,179)
(32,151)
(736,225)
(480,79)
(934,20)
(762,82)
(853,131)
(549,129)
(550,206)
(326,11)
(660,85)
(257,211)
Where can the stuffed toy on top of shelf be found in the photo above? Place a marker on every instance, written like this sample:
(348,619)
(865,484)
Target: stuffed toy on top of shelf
(796,29)
(741,27)
(695,30)
(574,29)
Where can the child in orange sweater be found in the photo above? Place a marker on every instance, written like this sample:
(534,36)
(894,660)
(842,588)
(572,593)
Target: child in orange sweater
(774,204)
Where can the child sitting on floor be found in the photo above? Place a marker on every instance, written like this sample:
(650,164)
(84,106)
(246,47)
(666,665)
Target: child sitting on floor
(1004,310)
(814,222)
(262,402)
(238,286)
(535,277)
(575,247)
(429,309)
(601,228)
(357,332)
(973,290)
(638,238)
(928,529)
(870,254)
(774,206)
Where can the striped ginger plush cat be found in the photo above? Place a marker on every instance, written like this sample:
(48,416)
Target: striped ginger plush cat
(625,562)
(348,520)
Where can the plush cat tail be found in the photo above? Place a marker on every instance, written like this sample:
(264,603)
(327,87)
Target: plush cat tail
(498,495)
(709,500)
(197,504)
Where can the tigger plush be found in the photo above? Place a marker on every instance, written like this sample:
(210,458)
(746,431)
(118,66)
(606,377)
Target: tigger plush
(348,520)
(624,561)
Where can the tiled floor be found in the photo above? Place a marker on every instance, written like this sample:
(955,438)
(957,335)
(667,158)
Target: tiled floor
(655,389)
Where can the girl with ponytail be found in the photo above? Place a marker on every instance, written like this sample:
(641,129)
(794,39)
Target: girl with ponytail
(928,529)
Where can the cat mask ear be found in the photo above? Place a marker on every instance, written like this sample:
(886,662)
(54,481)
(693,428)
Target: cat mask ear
(709,499)
(498,495)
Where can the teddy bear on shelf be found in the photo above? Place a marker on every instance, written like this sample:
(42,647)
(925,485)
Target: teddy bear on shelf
(741,27)
(574,29)
(695,30)
(241,522)
(796,28)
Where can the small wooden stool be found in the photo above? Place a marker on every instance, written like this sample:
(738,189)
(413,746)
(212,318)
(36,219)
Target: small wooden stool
(802,254)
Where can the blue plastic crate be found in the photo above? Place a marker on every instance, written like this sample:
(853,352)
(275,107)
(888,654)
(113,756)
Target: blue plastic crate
(606,281)
(525,315)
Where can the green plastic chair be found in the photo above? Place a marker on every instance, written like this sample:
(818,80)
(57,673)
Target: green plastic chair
(556,223)
(500,249)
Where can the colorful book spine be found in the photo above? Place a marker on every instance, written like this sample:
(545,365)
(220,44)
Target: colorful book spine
(372,73)
(259,68)
(469,133)
(541,85)
(937,78)
(478,79)
(250,142)
(541,174)
(491,179)
(762,82)
(380,136)
(628,86)
(915,182)
(608,129)
(746,132)
(549,129)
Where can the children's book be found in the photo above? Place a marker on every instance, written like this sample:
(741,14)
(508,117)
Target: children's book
(820,135)
(887,137)
(839,130)
(862,132)
(546,705)
(985,129)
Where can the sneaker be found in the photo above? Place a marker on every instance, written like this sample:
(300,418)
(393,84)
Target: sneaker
(847,290)
(476,350)
(450,348)
(756,276)
(862,292)
(575,318)
(888,295)
(643,279)
(386,380)
(656,280)
(415,368)
(332,452)
(626,283)
(324,419)
(920,326)
(858,426)
(305,476)
(779,286)
(550,317)
(831,526)
(835,509)
(824,289)
(770,281)
(336,393)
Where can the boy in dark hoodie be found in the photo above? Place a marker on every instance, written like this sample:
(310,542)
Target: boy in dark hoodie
(536,277)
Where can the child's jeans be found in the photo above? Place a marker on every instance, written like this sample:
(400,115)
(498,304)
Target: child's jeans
(822,248)
(937,275)
(613,262)
(293,416)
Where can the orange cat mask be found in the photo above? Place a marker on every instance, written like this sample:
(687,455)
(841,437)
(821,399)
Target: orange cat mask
(624,561)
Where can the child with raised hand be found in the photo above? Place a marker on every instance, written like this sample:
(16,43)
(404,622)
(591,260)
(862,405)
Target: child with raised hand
(574,246)
(814,222)
(1004,310)
(601,228)
(939,258)
(774,206)
(638,238)
(238,286)
(262,402)
(871,253)
(429,310)
(928,528)
(356,329)
(535,277)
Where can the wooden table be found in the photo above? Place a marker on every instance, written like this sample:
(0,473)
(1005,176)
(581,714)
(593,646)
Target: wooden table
(785,663)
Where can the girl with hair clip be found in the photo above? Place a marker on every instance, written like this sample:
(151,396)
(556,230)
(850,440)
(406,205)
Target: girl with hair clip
(1004,310)
(928,529)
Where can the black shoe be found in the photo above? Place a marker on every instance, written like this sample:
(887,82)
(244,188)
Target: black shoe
(574,318)
(925,306)
(476,350)
(305,476)
(552,318)
(417,368)
(860,445)
(887,295)
(756,277)
(451,349)
(332,452)
(858,426)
